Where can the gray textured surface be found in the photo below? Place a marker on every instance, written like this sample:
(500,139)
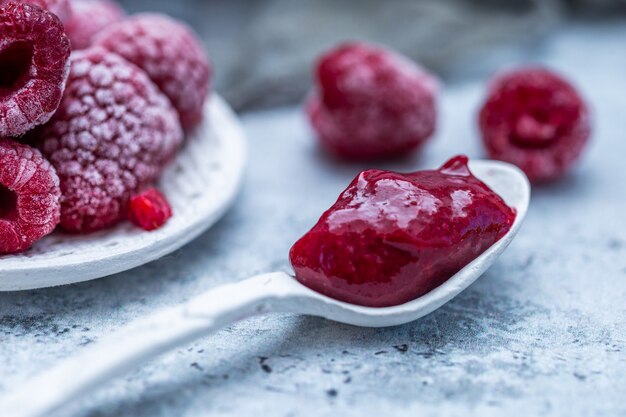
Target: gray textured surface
(542,333)
(265,48)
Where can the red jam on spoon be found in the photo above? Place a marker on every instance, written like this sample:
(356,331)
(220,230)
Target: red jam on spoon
(391,237)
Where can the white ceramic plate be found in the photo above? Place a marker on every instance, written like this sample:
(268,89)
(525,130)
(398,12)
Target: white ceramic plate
(201,184)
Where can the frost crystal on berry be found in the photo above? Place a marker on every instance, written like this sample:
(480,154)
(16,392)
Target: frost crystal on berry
(535,119)
(34,63)
(113,134)
(170,54)
(370,102)
(60,8)
(89,17)
(29,197)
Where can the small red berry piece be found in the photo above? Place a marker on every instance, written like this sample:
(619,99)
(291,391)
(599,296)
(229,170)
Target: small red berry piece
(535,119)
(61,8)
(149,210)
(393,237)
(171,55)
(370,102)
(29,197)
(89,17)
(112,135)
(34,63)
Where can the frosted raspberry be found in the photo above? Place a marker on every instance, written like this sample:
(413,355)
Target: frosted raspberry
(536,120)
(29,197)
(170,54)
(88,18)
(61,8)
(370,102)
(113,133)
(34,63)
(149,210)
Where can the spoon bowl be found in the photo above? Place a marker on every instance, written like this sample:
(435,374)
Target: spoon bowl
(272,292)
(507,181)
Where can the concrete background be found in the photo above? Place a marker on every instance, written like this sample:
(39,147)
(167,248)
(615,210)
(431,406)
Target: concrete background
(264,48)
(542,333)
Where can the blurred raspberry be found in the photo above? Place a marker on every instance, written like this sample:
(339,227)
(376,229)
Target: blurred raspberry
(370,102)
(149,210)
(113,134)
(171,55)
(535,119)
(34,63)
(29,197)
(90,17)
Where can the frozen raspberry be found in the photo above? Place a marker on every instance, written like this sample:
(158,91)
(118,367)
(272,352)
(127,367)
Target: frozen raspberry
(61,8)
(370,102)
(536,120)
(113,134)
(170,54)
(29,197)
(149,210)
(90,17)
(34,64)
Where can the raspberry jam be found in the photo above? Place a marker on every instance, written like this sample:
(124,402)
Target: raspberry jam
(393,237)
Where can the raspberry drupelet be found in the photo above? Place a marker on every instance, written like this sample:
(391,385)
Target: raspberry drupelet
(149,209)
(112,135)
(171,55)
(29,197)
(535,119)
(370,102)
(34,65)
(89,17)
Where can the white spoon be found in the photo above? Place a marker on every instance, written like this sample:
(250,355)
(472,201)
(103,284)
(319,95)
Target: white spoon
(273,292)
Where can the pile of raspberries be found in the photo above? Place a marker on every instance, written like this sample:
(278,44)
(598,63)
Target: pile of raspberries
(93,106)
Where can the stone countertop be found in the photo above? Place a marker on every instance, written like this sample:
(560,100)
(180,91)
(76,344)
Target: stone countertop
(542,333)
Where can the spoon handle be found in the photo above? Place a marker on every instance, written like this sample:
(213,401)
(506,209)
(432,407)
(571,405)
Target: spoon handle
(146,338)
